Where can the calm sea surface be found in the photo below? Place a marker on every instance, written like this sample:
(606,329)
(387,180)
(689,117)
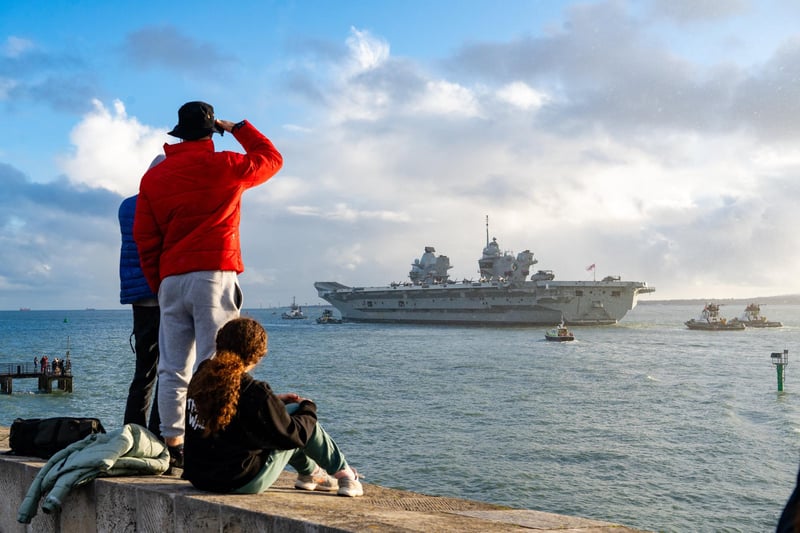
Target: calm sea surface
(645,423)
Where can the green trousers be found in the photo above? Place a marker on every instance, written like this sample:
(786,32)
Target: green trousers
(319,450)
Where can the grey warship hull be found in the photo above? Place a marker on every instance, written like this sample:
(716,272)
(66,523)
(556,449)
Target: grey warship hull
(528,303)
(506,294)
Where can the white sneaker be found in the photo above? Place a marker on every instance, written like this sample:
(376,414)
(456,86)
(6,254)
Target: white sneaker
(321,481)
(350,487)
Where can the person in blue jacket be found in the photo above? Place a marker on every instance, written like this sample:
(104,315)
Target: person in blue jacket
(135,291)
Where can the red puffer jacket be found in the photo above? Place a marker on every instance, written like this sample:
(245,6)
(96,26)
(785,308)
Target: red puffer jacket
(188,211)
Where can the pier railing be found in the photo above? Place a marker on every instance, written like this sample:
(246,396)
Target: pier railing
(48,375)
(31,370)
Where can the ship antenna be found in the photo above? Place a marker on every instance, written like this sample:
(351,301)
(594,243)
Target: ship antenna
(487,230)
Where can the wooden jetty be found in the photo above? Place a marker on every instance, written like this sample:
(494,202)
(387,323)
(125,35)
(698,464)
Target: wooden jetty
(47,377)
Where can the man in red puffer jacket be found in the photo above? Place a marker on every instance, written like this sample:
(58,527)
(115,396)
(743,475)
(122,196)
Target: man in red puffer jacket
(186,228)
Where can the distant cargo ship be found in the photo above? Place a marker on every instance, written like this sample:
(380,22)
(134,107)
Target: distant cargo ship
(502,296)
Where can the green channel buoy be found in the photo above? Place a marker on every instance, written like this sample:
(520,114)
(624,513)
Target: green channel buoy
(780,360)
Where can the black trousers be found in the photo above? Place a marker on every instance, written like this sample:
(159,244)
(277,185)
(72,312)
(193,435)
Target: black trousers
(790,518)
(143,389)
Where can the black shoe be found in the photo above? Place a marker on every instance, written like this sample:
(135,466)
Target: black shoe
(175,458)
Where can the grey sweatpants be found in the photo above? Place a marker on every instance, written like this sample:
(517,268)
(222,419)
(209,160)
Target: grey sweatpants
(193,308)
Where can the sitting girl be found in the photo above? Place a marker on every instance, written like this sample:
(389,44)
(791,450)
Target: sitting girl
(240,435)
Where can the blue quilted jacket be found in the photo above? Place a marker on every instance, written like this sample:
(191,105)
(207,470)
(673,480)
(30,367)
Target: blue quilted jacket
(133,285)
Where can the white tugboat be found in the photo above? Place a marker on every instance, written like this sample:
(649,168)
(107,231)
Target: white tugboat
(295,312)
(710,320)
(752,318)
(504,295)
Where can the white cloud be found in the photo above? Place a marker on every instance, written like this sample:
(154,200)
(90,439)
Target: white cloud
(111,149)
(6,86)
(296,128)
(446,98)
(352,98)
(348,258)
(344,212)
(686,11)
(359,103)
(282,190)
(521,95)
(366,51)
(16,46)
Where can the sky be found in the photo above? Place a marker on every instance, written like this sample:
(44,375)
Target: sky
(656,139)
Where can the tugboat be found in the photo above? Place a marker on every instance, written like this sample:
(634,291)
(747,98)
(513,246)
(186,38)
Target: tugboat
(710,320)
(328,318)
(559,333)
(752,318)
(295,312)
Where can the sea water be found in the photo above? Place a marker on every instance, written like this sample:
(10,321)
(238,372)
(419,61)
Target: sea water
(644,423)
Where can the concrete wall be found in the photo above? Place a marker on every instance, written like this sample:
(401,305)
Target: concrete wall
(156,503)
(167,504)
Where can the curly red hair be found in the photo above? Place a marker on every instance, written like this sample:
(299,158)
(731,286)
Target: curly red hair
(215,386)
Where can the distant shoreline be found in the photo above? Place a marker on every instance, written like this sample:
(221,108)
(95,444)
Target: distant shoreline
(785,299)
(761,300)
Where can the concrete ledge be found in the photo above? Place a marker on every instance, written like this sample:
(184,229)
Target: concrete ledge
(168,504)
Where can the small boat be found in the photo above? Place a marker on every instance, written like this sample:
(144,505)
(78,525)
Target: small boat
(328,318)
(709,320)
(559,333)
(752,318)
(295,312)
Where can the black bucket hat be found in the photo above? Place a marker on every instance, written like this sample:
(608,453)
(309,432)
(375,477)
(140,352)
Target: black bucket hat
(195,120)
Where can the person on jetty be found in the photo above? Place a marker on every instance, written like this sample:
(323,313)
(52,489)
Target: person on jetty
(240,435)
(186,228)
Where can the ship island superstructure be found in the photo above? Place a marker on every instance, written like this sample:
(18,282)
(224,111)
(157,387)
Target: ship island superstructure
(504,295)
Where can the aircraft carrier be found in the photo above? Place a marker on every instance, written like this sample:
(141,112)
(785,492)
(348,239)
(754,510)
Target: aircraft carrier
(504,295)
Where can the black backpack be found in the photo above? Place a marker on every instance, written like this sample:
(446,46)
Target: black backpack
(43,437)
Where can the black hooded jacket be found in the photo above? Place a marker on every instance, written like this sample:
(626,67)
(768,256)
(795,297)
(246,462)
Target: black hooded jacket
(234,456)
